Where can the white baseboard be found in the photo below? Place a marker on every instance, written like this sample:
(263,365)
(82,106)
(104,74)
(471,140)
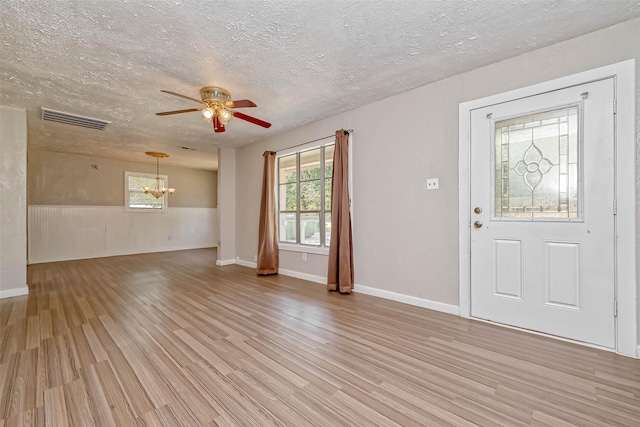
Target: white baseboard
(250,264)
(303,276)
(223,262)
(156,250)
(15,292)
(406,299)
(285,272)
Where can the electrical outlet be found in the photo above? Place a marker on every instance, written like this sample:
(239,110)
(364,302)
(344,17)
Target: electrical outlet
(432,184)
(304,256)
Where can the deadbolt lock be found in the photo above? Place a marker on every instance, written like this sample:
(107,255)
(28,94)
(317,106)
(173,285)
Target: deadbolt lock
(478,210)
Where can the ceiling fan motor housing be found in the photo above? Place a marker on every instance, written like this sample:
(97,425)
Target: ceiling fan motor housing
(212,93)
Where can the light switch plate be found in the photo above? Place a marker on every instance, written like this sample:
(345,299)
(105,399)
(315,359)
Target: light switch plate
(432,184)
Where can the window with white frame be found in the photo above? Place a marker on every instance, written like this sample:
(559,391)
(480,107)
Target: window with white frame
(304,195)
(135,200)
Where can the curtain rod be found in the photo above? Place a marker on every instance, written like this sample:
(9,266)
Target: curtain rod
(314,140)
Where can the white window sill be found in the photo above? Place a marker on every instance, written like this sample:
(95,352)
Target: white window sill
(302,248)
(142,210)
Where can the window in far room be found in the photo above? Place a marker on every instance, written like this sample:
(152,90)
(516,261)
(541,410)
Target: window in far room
(135,198)
(304,195)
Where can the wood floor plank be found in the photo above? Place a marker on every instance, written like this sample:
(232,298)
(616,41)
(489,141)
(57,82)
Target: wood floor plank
(55,408)
(31,418)
(268,399)
(233,403)
(138,397)
(23,392)
(184,398)
(171,339)
(8,378)
(117,400)
(15,339)
(99,406)
(169,343)
(82,346)
(95,344)
(46,325)
(18,311)
(203,347)
(33,332)
(77,403)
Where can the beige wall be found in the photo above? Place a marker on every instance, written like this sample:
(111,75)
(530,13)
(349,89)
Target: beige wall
(406,238)
(13,209)
(69,179)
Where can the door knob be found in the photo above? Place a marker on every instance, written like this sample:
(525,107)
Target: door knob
(477,224)
(478,210)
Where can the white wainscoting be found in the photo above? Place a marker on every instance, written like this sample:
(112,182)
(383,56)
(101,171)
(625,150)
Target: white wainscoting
(59,233)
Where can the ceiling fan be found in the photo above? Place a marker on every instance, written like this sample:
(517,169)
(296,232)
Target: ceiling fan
(218,107)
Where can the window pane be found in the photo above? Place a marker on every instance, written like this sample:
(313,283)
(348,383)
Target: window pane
(310,196)
(287,169)
(288,197)
(327,194)
(310,165)
(304,198)
(139,200)
(328,160)
(287,227)
(536,165)
(137,182)
(310,228)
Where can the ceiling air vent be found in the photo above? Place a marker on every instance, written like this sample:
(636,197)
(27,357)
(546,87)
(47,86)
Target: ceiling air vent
(73,119)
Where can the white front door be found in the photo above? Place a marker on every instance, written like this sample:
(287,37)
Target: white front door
(542,220)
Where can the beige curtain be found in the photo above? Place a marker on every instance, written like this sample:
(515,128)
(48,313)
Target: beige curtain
(267,238)
(340,274)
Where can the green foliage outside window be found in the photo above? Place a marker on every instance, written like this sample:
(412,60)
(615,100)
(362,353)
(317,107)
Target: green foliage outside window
(138,199)
(315,168)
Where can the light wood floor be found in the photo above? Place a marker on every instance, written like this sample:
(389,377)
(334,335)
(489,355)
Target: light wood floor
(170,339)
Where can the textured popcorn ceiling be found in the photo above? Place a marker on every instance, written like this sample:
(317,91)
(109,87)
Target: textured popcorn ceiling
(299,61)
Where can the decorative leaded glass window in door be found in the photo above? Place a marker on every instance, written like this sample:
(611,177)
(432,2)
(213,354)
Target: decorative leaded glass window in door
(537,165)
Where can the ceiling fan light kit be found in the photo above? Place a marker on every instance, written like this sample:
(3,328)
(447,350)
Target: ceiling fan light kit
(218,107)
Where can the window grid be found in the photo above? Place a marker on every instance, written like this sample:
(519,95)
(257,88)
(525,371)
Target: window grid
(532,165)
(135,198)
(299,212)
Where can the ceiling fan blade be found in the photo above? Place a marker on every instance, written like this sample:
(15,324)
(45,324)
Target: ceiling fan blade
(182,96)
(242,103)
(251,119)
(168,113)
(217,126)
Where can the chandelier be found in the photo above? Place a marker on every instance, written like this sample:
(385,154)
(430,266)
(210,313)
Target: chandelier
(157,191)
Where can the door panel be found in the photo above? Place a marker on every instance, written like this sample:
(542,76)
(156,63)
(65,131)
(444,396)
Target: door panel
(542,174)
(508,268)
(564,284)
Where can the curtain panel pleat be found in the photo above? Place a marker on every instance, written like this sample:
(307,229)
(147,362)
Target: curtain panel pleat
(267,238)
(340,269)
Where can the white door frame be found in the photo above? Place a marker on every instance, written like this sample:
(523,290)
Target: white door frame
(625,190)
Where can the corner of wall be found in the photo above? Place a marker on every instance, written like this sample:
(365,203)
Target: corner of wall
(13,202)
(15,292)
